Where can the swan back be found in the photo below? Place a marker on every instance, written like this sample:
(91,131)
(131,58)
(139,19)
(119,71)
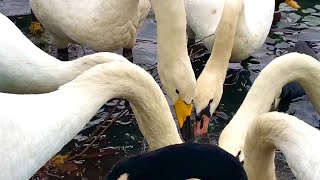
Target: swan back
(24,68)
(297,140)
(254,24)
(103,25)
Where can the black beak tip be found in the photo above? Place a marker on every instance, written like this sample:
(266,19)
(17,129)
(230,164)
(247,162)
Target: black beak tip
(186,130)
(198,117)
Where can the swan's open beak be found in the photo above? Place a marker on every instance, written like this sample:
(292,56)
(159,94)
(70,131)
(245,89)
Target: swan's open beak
(183,111)
(292,3)
(202,122)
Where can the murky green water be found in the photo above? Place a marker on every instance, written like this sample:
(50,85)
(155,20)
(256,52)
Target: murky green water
(124,138)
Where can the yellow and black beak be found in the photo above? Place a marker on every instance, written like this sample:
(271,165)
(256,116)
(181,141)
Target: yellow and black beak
(292,4)
(183,111)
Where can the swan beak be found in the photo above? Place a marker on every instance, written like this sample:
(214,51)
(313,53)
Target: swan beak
(183,110)
(186,130)
(292,3)
(202,122)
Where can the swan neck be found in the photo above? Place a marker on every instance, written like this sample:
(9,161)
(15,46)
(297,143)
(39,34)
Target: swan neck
(225,36)
(282,70)
(294,138)
(139,88)
(171,31)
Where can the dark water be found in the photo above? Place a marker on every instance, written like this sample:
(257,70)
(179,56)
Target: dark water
(124,138)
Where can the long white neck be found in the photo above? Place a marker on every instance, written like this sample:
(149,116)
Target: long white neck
(171,31)
(282,70)
(174,64)
(297,140)
(24,68)
(225,35)
(46,122)
(213,75)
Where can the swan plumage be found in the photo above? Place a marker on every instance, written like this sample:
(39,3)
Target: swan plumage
(297,140)
(282,70)
(209,86)
(24,68)
(237,34)
(46,122)
(203,17)
(253,27)
(293,90)
(105,16)
(102,25)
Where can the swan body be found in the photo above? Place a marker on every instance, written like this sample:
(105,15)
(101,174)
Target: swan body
(297,140)
(282,70)
(102,25)
(24,68)
(174,66)
(181,161)
(203,17)
(48,124)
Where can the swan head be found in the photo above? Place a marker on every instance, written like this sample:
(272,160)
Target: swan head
(179,82)
(207,98)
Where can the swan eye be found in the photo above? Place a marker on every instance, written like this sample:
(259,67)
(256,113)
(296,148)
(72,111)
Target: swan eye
(211,100)
(177,91)
(242,162)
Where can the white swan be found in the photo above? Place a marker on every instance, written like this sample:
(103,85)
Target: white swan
(298,141)
(46,122)
(290,67)
(49,121)
(209,86)
(91,23)
(237,35)
(24,68)
(102,25)
(203,17)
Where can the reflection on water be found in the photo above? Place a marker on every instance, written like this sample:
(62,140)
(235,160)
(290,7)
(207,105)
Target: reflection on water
(124,138)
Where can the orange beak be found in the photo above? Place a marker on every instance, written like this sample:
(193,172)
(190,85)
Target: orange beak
(292,4)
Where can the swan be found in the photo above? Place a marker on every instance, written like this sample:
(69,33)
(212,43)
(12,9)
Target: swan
(203,17)
(209,87)
(82,97)
(111,19)
(46,122)
(287,68)
(25,69)
(180,161)
(277,13)
(235,32)
(100,25)
(297,140)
